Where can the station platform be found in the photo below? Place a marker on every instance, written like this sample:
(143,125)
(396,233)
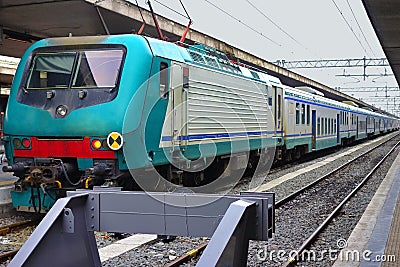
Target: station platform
(6,184)
(375,241)
(6,179)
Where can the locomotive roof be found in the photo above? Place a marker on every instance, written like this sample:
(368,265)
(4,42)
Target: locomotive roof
(207,57)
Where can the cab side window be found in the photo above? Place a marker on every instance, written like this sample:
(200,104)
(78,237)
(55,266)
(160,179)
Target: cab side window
(164,79)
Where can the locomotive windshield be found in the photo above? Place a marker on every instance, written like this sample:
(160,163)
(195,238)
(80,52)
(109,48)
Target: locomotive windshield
(83,69)
(51,70)
(98,68)
(75,78)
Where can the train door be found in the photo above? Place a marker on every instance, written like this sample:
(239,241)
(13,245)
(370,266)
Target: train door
(290,118)
(314,129)
(274,108)
(337,128)
(179,76)
(379,126)
(278,106)
(374,124)
(357,128)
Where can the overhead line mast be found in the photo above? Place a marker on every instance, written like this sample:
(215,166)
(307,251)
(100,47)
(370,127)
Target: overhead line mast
(333,63)
(339,63)
(369,89)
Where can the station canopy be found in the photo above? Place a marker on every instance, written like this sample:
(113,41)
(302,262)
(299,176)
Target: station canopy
(385,18)
(26,21)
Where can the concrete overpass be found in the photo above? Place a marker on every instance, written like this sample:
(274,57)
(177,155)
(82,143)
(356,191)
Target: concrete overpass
(25,21)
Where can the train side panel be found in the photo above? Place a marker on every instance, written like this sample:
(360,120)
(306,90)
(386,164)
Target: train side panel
(217,109)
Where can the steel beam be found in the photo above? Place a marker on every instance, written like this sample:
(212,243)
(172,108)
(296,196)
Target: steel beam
(232,235)
(333,63)
(54,243)
(68,227)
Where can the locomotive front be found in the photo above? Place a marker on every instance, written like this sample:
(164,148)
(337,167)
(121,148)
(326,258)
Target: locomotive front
(63,124)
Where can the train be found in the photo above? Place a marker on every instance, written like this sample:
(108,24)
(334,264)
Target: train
(140,113)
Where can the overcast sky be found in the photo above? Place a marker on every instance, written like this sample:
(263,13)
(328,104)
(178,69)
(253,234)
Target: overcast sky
(300,30)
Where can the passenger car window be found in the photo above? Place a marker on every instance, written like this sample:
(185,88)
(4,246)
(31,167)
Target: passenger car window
(163,79)
(297,113)
(319,126)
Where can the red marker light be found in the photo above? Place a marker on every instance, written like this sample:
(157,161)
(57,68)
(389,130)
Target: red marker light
(26,142)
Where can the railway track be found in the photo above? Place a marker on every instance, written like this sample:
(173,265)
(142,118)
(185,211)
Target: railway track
(338,207)
(186,257)
(295,165)
(329,174)
(321,213)
(15,226)
(282,165)
(193,253)
(8,255)
(12,228)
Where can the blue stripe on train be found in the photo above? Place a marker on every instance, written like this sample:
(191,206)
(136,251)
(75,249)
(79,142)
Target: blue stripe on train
(219,135)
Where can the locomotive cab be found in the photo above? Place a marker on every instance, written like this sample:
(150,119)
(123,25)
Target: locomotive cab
(63,124)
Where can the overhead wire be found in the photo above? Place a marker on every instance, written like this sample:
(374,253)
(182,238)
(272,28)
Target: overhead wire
(365,38)
(348,25)
(359,27)
(362,32)
(171,9)
(275,24)
(243,23)
(140,11)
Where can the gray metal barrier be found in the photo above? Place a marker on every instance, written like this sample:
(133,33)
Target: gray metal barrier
(65,236)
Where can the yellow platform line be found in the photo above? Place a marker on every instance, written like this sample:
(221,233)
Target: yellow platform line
(7,182)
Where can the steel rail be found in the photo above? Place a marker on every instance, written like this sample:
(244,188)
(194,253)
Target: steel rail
(4,256)
(187,256)
(194,252)
(325,223)
(322,178)
(10,227)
